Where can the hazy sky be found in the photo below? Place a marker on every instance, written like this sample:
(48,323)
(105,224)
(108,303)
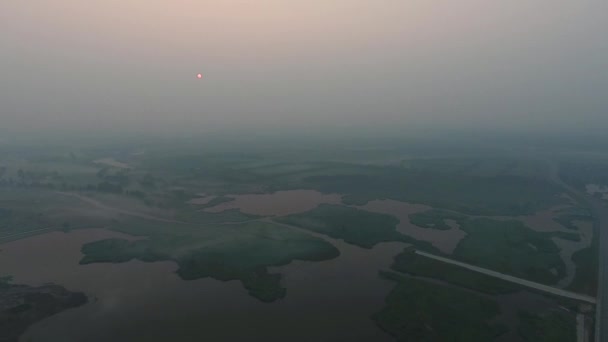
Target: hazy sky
(499,63)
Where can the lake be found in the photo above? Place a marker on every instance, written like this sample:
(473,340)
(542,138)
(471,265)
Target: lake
(136,301)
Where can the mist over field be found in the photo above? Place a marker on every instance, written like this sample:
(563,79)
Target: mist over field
(321,170)
(299,66)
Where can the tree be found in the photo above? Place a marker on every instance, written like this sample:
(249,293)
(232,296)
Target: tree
(148,181)
(102,173)
(66,227)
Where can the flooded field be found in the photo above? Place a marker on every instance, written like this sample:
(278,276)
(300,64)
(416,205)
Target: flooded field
(331,300)
(277,204)
(543,221)
(138,301)
(201,200)
(109,205)
(445,240)
(51,257)
(568,248)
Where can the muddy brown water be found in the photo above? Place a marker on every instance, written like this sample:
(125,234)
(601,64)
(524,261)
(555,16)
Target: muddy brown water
(447,240)
(568,248)
(444,240)
(278,203)
(201,200)
(544,221)
(137,301)
(295,201)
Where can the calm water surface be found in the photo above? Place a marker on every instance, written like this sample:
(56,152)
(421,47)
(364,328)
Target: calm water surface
(136,301)
(326,301)
(444,240)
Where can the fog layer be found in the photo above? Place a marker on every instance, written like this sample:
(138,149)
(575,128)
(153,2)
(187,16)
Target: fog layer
(520,64)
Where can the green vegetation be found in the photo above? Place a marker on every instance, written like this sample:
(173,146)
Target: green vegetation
(24,210)
(118,250)
(355,226)
(510,247)
(485,186)
(586,260)
(168,175)
(422,311)
(490,186)
(481,167)
(567,236)
(22,220)
(227,216)
(22,306)
(435,219)
(568,221)
(581,172)
(5,281)
(224,252)
(159,179)
(475,195)
(571,215)
(550,327)
(506,246)
(247,260)
(417,265)
(215,201)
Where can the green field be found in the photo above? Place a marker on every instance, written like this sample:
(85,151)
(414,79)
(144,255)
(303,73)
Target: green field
(193,215)
(468,194)
(431,301)
(582,171)
(435,219)
(586,278)
(481,186)
(26,209)
(224,252)
(482,167)
(511,247)
(355,226)
(22,305)
(421,311)
(556,326)
(417,265)
(567,217)
(502,245)
(215,201)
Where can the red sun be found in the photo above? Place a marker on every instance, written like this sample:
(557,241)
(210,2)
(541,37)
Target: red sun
(199,76)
